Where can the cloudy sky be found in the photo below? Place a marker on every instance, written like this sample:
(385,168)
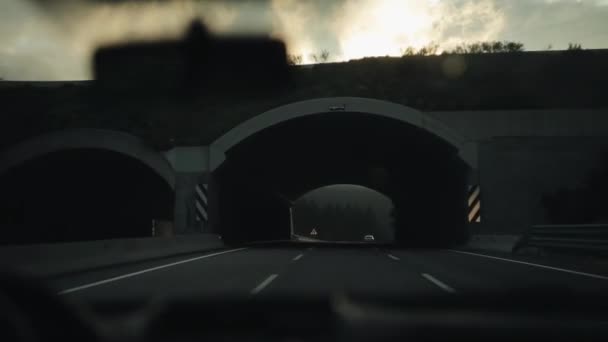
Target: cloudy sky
(39,41)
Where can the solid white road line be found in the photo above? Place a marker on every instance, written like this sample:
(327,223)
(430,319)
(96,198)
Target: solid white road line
(263,284)
(128,275)
(439,283)
(597,276)
(393,257)
(298,257)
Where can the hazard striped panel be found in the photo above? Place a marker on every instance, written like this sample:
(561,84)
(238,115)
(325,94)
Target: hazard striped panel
(202,202)
(474,204)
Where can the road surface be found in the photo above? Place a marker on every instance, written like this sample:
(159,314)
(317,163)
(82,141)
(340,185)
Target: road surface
(312,271)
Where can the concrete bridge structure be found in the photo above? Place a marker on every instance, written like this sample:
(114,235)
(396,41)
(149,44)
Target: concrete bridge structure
(459,143)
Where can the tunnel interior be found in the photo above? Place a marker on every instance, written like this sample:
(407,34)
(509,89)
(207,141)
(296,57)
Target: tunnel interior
(420,172)
(81,194)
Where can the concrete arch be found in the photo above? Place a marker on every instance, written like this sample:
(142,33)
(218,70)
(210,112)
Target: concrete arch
(88,138)
(342,104)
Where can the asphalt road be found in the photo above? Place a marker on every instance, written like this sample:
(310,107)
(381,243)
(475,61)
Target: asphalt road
(312,271)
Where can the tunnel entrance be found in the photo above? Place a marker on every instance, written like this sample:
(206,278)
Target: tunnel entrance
(81,194)
(420,172)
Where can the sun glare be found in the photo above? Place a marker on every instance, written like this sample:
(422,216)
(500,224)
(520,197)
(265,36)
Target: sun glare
(385,27)
(364,28)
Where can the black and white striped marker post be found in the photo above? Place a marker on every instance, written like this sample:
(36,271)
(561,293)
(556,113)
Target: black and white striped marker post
(202,202)
(474,201)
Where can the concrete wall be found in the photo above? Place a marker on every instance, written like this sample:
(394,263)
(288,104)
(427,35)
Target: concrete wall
(481,125)
(59,258)
(515,172)
(525,153)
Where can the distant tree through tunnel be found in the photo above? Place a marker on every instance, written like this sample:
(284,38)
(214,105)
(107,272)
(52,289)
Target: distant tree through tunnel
(343,212)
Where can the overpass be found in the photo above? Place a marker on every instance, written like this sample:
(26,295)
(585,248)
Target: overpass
(423,131)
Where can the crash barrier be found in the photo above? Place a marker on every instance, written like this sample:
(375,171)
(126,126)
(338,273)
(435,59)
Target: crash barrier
(162,228)
(579,238)
(301,238)
(492,242)
(60,258)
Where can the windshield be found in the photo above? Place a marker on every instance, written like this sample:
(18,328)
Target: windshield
(380,147)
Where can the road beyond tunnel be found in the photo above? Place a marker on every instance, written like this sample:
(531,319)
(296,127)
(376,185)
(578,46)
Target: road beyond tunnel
(421,172)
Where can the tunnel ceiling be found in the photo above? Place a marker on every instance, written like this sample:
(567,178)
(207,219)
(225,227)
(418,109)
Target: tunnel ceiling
(302,154)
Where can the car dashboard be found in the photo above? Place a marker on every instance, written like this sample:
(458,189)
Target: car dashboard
(32,313)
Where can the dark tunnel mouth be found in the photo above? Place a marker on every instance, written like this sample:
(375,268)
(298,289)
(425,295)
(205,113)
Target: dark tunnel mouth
(250,168)
(82,194)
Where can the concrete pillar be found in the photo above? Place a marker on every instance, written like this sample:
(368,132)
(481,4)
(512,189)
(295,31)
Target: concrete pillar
(195,209)
(470,151)
(185,210)
(213,223)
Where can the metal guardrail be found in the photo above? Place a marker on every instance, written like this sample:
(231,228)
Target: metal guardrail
(567,237)
(297,237)
(493,242)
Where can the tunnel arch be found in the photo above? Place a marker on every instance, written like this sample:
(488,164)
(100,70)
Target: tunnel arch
(424,167)
(101,139)
(381,108)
